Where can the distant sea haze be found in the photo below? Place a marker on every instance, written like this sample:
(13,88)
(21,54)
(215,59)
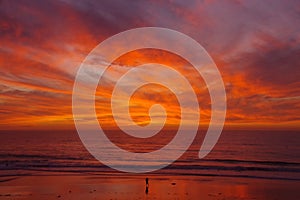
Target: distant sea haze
(249,154)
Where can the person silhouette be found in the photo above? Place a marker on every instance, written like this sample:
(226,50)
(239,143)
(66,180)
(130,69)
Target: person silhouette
(147,182)
(147,185)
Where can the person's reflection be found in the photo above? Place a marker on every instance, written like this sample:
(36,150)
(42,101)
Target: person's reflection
(147,190)
(147,185)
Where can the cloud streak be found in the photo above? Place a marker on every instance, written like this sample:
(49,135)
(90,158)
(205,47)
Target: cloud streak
(256,45)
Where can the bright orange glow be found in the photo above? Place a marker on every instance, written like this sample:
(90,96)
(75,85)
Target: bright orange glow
(40,54)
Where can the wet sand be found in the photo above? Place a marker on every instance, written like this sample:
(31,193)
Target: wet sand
(121,187)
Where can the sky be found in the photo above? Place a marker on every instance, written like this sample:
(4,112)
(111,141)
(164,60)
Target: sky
(255,45)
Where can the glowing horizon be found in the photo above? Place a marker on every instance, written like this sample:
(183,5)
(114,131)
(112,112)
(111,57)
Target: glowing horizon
(41,51)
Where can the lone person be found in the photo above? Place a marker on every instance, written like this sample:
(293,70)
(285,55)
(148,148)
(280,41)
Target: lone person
(147,182)
(147,185)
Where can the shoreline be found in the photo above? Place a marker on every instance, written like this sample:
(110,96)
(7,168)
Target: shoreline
(127,186)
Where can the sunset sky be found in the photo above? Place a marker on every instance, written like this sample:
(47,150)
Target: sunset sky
(255,44)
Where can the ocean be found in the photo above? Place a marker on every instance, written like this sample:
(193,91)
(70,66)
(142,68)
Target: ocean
(248,154)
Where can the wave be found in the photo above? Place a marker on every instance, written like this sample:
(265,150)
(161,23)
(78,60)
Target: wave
(46,157)
(87,157)
(236,161)
(163,173)
(204,167)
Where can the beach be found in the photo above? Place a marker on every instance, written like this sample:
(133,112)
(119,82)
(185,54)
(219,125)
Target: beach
(142,100)
(123,186)
(243,165)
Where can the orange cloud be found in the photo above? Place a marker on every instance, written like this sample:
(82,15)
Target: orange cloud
(41,51)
